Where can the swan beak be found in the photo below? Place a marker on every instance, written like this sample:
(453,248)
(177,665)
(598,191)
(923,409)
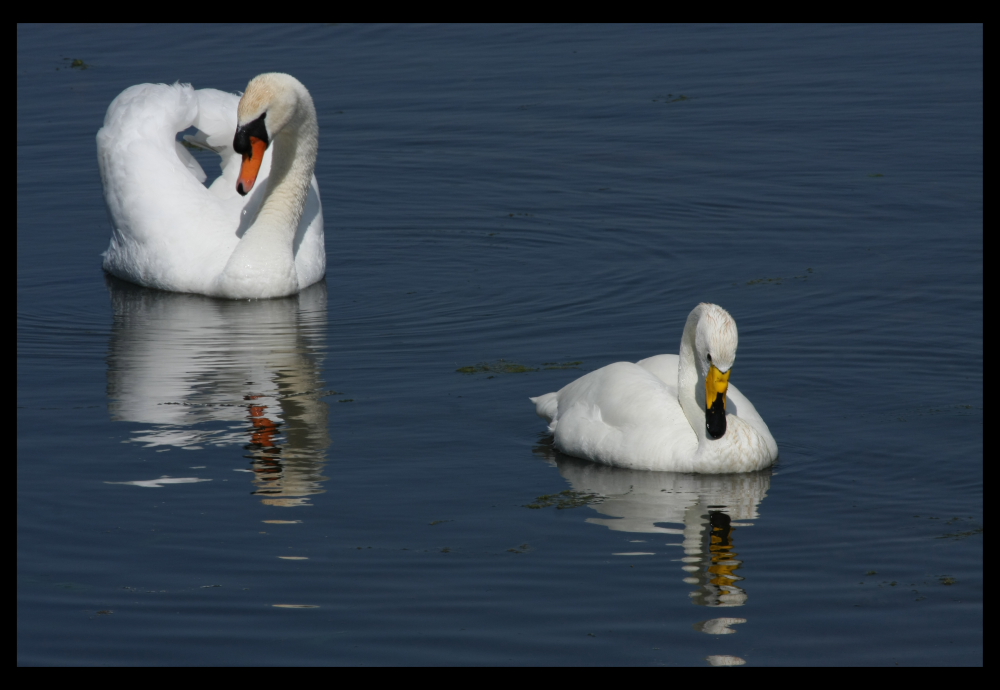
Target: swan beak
(251,165)
(716,385)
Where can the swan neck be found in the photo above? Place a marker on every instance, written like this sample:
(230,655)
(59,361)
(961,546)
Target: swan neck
(292,163)
(263,263)
(690,380)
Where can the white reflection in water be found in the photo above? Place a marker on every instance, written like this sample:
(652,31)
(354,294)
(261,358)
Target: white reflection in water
(707,507)
(718,626)
(724,660)
(162,481)
(202,372)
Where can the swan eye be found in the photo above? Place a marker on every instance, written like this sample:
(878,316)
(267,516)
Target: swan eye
(710,358)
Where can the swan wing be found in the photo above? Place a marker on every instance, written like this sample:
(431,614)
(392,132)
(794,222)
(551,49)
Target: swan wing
(169,231)
(740,406)
(664,367)
(625,416)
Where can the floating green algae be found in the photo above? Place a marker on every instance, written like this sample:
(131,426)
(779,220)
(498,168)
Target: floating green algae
(777,281)
(670,98)
(501,366)
(563,500)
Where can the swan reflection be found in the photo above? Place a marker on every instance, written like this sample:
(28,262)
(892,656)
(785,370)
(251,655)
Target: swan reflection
(708,507)
(201,372)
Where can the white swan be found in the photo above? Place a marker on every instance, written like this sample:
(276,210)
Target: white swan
(173,233)
(668,412)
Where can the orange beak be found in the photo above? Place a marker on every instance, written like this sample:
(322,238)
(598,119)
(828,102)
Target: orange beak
(251,165)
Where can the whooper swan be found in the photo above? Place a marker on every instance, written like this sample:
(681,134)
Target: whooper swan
(669,412)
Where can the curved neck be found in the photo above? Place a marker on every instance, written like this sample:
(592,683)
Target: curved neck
(263,263)
(690,380)
(293,159)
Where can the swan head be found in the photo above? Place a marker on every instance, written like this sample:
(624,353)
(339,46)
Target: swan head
(272,102)
(715,352)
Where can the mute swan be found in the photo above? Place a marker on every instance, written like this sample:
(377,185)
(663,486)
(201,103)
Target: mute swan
(668,412)
(171,232)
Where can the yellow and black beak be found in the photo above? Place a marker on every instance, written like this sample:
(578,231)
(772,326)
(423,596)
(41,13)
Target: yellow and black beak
(251,141)
(716,385)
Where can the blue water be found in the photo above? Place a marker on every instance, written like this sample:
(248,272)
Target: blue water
(532,196)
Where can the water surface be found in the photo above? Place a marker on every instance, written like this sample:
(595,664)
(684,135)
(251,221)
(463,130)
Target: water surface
(312,480)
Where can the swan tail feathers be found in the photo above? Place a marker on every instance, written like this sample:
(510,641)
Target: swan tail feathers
(547,406)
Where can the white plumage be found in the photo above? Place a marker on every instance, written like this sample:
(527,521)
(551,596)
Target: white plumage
(651,415)
(171,232)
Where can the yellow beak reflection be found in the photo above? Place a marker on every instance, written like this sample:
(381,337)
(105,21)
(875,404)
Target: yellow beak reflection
(716,385)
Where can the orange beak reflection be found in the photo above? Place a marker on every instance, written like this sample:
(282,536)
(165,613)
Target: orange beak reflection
(251,165)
